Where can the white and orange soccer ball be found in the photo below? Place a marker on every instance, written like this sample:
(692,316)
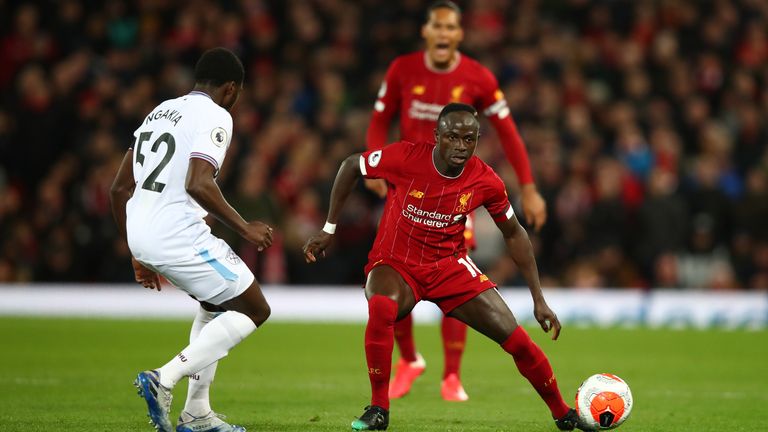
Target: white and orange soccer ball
(603,401)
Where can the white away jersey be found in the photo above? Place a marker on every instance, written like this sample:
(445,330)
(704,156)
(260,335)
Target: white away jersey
(164,223)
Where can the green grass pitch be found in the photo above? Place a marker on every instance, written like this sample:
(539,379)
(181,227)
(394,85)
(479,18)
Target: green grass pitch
(76,375)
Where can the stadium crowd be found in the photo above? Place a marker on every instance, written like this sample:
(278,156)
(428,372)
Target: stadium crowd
(644,120)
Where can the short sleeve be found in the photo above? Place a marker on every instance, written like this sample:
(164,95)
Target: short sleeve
(497,201)
(492,101)
(385,163)
(212,138)
(388,98)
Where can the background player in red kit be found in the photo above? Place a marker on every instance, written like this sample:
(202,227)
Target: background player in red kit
(420,253)
(418,85)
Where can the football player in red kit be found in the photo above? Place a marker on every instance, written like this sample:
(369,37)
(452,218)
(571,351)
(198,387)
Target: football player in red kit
(420,254)
(418,85)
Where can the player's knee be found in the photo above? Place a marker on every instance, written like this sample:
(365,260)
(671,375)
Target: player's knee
(261,313)
(502,325)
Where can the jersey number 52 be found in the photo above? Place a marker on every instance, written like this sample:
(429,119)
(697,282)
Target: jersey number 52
(150,182)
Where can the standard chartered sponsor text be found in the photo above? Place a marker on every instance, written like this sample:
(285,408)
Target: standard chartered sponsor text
(428,218)
(424,111)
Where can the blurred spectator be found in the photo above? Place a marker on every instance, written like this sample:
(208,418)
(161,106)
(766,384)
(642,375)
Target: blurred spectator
(662,222)
(644,120)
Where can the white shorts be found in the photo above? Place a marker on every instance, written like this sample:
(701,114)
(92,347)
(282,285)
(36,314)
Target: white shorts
(212,273)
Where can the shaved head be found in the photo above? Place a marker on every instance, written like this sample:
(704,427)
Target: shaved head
(457,118)
(451,110)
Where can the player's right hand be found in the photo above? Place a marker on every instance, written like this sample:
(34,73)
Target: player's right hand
(377,186)
(259,234)
(146,277)
(316,246)
(547,319)
(534,206)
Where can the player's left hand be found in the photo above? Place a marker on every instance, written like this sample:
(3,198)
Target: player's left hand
(547,319)
(534,206)
(146,277)
(316,245)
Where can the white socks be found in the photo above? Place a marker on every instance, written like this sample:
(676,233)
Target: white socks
(198,400)
(214,342)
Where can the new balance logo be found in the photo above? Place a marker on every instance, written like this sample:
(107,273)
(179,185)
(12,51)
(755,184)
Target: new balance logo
(456,93)
(416,194)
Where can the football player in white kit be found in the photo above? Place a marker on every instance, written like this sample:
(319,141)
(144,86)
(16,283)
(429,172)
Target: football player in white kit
(163,189)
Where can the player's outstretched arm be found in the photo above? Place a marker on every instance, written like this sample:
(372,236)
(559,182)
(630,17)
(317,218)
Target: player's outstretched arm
(119,194)
(201,186)
(375,140)
(497,110)
(520,249)
(534,206)
(387,104)
(346,178)
(122,190)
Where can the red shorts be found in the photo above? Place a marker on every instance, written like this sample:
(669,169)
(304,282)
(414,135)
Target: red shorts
(449,283)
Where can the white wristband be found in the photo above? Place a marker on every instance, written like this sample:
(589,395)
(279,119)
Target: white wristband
(329,228)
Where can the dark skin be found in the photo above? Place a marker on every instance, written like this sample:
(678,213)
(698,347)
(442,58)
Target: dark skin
(442,34)
(456,137)
(201,185)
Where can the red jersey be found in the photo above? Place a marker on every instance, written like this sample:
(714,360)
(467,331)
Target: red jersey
(424,213)
(420,93)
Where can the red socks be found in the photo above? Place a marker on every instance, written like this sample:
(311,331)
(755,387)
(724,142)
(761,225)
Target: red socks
(404,338)
(534,366)
(382,312)
(379,342)
(454,339)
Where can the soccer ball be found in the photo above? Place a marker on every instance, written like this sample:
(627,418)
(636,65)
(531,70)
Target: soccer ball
(603,401)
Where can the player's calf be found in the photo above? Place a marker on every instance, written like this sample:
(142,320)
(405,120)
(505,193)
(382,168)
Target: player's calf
(535,367)
(379,342)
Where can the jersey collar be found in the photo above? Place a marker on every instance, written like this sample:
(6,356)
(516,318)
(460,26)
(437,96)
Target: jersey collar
(199,93)
(442,71)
